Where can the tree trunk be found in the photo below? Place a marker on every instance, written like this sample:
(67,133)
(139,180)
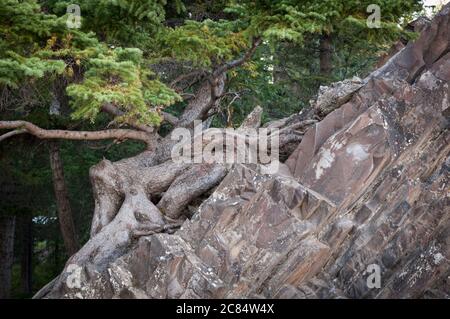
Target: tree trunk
(27,255)
(56,254)
(325,55)
(7,227)
(65,217)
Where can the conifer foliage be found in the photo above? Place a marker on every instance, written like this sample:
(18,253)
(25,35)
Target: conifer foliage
(109,60)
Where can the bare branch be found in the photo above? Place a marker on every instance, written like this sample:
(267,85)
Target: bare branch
(118,134)
(238,62)
(205,99)
(169,118)
(113,110)
(186,76)
(187,96)
(12,133)
(217,77)
(214,84)
(208,95)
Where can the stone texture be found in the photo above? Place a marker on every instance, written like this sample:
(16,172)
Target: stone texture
(367,185)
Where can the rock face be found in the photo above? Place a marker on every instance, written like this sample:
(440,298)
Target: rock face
(367,188)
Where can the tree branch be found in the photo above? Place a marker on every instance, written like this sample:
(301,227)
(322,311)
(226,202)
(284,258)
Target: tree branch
(238,62)
(205,99)
(113,110)
(12,133)
(169,118)
(214,83)
(211,90)
(219,72)
(118,134)
(184,77)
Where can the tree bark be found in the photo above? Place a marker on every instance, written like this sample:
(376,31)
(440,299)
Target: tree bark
(325,55)
(26,268)
(7,228)
(65,217)
(21,127)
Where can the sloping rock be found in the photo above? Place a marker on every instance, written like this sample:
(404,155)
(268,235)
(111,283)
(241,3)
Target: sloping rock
(367,186)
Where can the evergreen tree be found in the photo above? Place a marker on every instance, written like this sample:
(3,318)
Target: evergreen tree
(135,70)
